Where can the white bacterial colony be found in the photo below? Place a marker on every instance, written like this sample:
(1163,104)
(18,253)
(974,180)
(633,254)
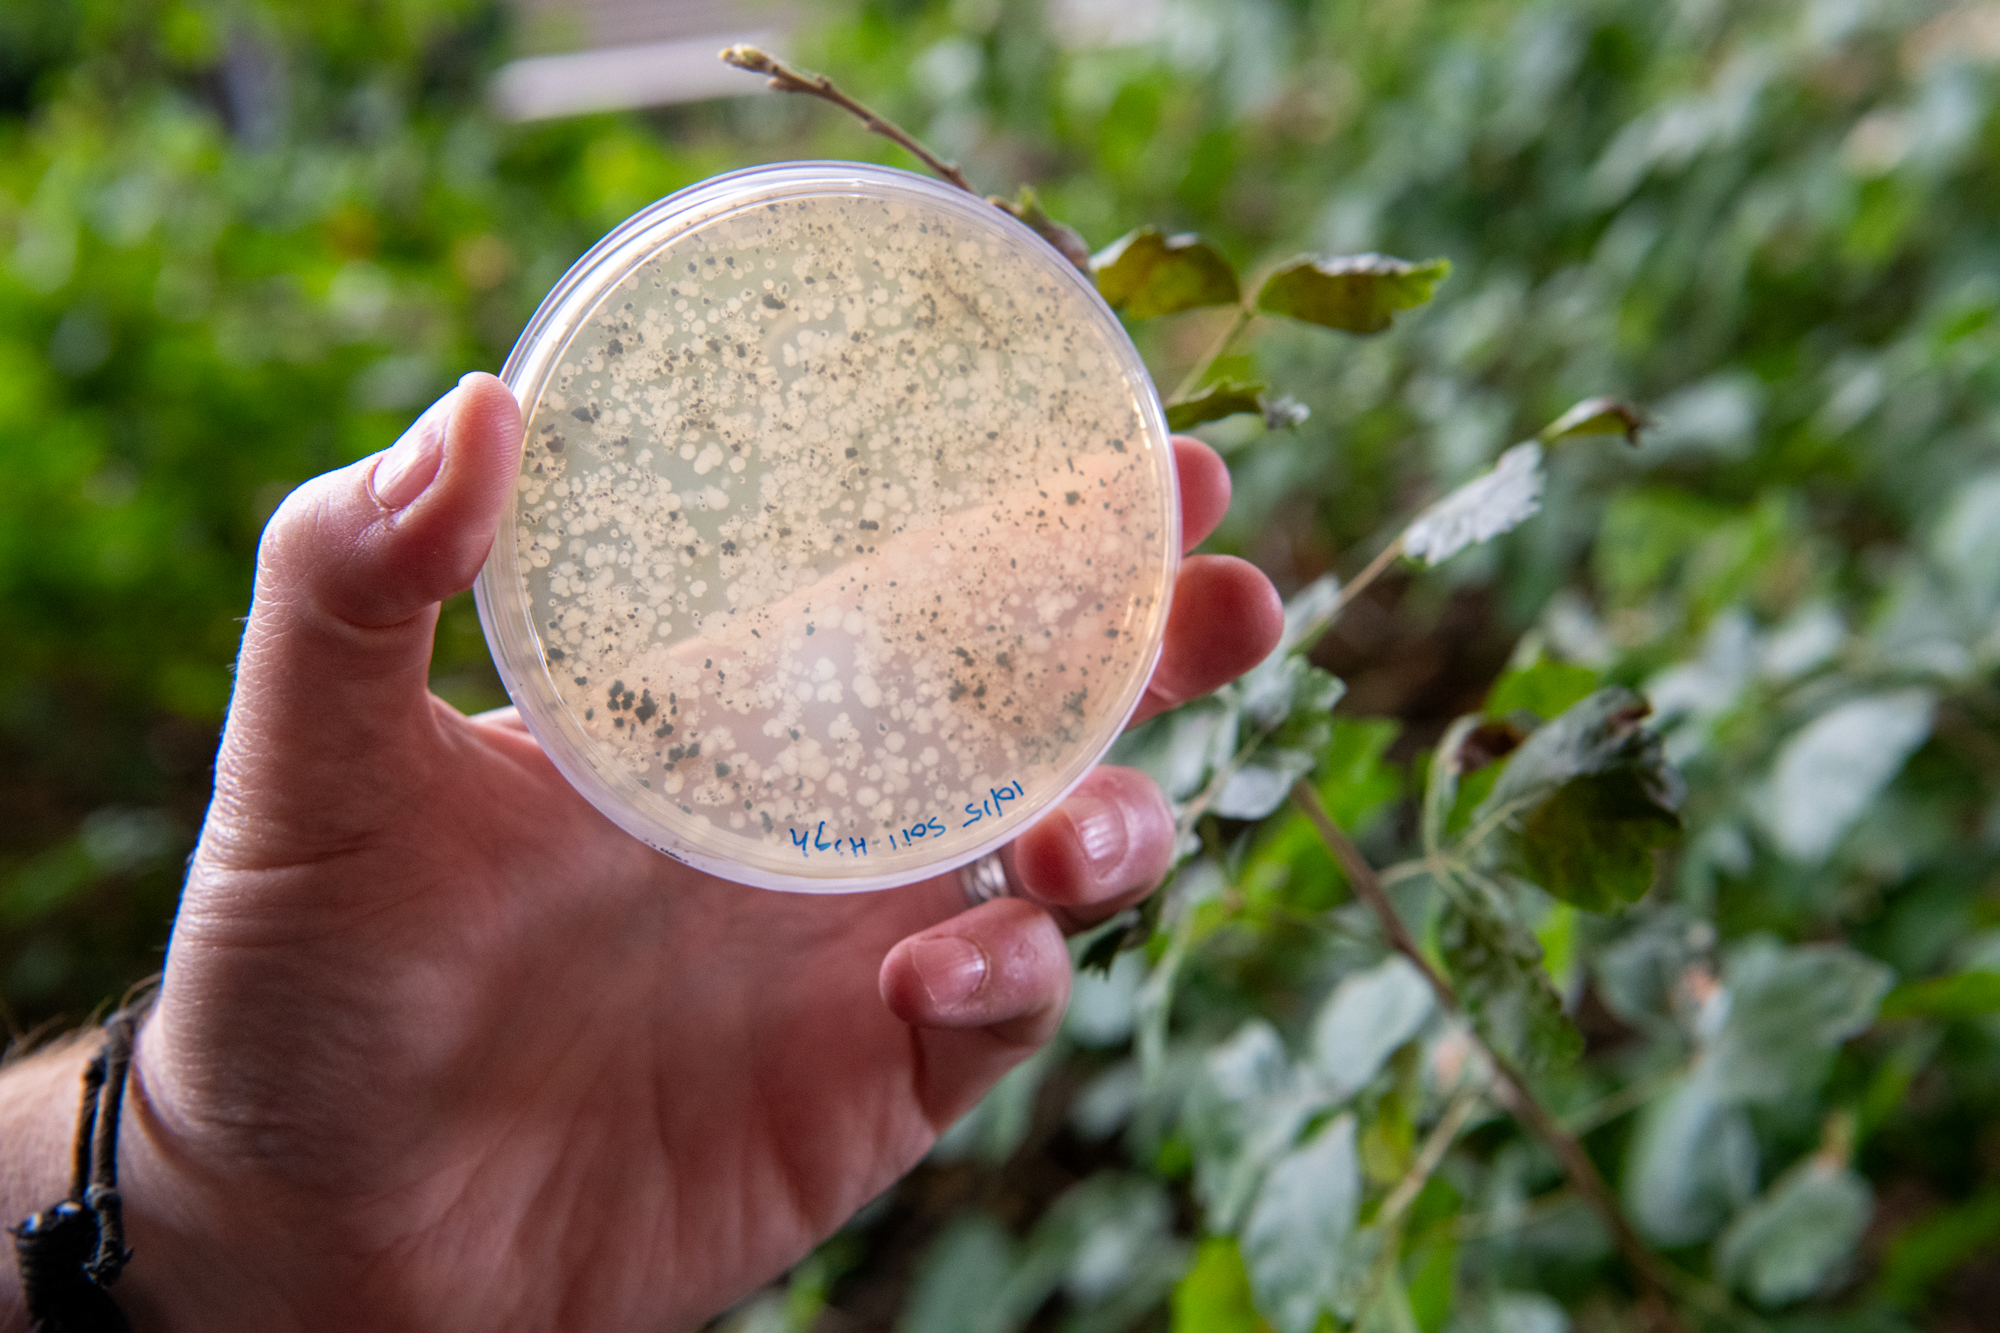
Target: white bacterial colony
(844,534)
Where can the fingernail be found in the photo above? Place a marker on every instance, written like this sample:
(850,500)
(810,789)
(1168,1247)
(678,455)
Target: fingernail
(411,464)
(951,968)
(1100,832)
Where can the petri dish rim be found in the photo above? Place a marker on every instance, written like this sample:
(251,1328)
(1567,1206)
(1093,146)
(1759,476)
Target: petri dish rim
(502,605)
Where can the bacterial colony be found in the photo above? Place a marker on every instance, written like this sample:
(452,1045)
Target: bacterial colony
(843,533)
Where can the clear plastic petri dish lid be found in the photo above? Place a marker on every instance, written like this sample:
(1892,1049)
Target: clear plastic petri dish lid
(844,532)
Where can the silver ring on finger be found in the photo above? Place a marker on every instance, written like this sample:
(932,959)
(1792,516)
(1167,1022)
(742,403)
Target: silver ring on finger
(986,879)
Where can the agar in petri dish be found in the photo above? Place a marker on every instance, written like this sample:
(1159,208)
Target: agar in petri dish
(844,532)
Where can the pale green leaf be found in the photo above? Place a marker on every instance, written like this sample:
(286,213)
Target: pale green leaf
(1782,1247)
(1261,785)
(963,1281)
(1295,1240)
(1366,1018)
(1245,1112)
(1490,504)
(1178,749)
(1787,1011)
(1691,1163)
(1830,771)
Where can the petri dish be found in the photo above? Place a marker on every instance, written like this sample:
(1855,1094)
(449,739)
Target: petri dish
(844,532)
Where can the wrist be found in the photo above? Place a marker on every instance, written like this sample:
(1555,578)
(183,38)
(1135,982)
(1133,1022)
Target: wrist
(195,1258)
(187,1272)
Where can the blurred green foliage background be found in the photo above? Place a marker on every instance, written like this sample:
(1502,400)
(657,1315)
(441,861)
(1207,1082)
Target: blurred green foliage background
(241,244)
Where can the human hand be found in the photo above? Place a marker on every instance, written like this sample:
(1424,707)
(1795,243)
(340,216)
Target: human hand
(439,1047)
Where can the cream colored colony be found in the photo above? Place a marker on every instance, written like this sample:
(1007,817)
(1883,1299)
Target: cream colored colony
(842,531)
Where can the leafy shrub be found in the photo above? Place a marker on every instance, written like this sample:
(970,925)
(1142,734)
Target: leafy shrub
(1684,791)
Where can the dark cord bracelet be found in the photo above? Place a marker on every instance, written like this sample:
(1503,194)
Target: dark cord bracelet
(72,1252)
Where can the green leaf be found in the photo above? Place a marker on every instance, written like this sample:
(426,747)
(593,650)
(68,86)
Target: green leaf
(1214,1297)
(1546,689)
(1359,293)
(1366,1018)
(1591,842)
(1295,1241)
(1433,1267)
(1144,274)
(1596,416)
(1582,805)
(1921,1256)
(1356,782)
(1782,1247)
(1496,967)
(1223,398)
(1964,995)
(1788,1010)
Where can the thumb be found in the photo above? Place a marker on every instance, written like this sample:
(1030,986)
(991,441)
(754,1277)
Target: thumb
(332,698)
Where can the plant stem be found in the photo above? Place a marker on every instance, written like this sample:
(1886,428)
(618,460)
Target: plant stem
(1206,361)
(1655,1280)
(1511,1088)
(1349,591)
(1368,888)
(787,79)
(1628,1098)
(1435,1146)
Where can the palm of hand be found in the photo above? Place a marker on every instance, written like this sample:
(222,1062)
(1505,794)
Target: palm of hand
(571,981)
(438,1046)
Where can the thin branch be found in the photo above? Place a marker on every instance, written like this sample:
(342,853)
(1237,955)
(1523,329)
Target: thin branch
(1368,888)
(1027,210)
(1206,361)
(1628,1098)
(787,79)
(1349,591)
(1500,1221)
(1439,1142)
(1403,870)
(1656,1280)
